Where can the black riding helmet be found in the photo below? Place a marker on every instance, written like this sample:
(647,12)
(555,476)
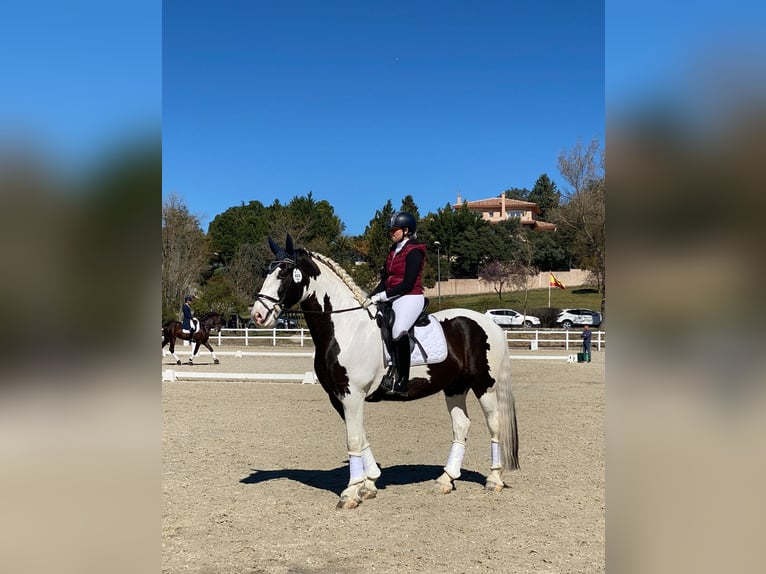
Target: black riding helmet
(403,219)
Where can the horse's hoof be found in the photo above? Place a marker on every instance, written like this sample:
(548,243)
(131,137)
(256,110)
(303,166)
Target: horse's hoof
(367,494)
(178,362)
(492,486)
(216,362)
(443,488)
(348,503)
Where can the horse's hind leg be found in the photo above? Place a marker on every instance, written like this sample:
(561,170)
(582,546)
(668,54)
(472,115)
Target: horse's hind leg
(173,351)
(458,412)
(488,402)
(212,352)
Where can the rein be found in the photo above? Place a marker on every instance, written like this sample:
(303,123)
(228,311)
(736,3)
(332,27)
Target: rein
(281,301)
(329,312)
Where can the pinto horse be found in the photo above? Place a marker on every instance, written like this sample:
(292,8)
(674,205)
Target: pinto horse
(349,363)
(173,330)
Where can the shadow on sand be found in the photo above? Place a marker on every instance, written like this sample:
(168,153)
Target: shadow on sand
(336,480)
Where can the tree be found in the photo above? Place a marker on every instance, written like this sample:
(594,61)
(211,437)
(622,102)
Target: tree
(378,238)
(185,254)
(522,267)
(409,205)
(521,193)
(312,224)
(218,295)
(497,273)
(583,216)
(244,272)
(239,225)
(546,195)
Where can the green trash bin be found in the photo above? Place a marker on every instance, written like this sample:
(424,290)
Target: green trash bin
(580,357)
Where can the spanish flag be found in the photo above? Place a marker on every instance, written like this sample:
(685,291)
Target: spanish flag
(555,282)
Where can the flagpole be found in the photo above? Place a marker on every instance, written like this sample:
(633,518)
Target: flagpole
(549,289)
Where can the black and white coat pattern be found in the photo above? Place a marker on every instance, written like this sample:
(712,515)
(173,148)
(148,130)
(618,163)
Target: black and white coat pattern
(349,364)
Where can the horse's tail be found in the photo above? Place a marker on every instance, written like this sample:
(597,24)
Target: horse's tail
(509,435)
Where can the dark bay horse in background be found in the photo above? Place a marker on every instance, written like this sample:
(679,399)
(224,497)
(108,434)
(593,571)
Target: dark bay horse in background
(173,330)
(349,363)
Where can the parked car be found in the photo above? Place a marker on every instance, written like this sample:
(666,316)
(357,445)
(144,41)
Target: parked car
(510,318)
(569,318)
(282,323)
(286,323)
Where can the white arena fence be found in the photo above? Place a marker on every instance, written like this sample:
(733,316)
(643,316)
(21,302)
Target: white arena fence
(533,339)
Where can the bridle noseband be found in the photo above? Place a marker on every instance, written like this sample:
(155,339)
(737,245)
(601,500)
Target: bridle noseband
(277,303)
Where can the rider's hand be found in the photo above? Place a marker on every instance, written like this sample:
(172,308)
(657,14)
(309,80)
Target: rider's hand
(375,299)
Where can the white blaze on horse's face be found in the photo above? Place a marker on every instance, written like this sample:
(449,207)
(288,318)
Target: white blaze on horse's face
(266,308)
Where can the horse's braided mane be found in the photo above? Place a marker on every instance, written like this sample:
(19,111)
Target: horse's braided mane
(359,294)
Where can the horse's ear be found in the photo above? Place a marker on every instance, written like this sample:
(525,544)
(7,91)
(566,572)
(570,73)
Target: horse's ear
(273,246)
(289,245)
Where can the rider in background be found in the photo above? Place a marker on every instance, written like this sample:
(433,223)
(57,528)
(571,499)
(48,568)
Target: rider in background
(187,324)
(402,284)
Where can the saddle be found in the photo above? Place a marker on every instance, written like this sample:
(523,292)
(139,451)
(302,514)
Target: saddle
(427,342)
(194,325)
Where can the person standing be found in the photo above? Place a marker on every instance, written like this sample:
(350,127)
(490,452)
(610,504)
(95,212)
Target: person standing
(586,335)
(187,324)
(401,284)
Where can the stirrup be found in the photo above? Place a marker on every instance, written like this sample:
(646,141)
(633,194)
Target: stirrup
(392,387)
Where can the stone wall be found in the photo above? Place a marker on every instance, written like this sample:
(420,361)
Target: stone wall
(570,279)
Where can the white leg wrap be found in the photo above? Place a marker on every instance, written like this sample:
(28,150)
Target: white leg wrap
(495,456)
(371,468)
(455,460)
(355,469)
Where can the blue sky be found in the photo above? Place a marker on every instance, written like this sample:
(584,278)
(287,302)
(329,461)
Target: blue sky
(80,77)
(361,102)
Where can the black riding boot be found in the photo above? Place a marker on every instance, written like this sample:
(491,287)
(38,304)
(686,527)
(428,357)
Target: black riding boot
(402,383)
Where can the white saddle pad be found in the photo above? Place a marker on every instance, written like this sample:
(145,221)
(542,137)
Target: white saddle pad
(431,338)
(195,322)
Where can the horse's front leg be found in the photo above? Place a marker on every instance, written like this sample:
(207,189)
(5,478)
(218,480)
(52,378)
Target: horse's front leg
(363,469)
(460,424)
(194,352)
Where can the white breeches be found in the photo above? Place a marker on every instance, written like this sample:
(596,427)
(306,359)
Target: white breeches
(406,311)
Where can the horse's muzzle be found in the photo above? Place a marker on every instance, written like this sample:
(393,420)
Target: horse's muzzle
(264,316)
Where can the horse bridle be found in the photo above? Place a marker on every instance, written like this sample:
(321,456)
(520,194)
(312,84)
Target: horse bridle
(277,303)
(280,302)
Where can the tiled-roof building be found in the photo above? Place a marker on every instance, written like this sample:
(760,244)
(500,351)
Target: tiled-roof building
(498,209)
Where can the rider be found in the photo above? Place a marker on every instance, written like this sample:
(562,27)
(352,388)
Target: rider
(188,324)
(402,283)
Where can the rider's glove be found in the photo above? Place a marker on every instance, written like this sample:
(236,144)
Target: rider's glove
(375,299)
